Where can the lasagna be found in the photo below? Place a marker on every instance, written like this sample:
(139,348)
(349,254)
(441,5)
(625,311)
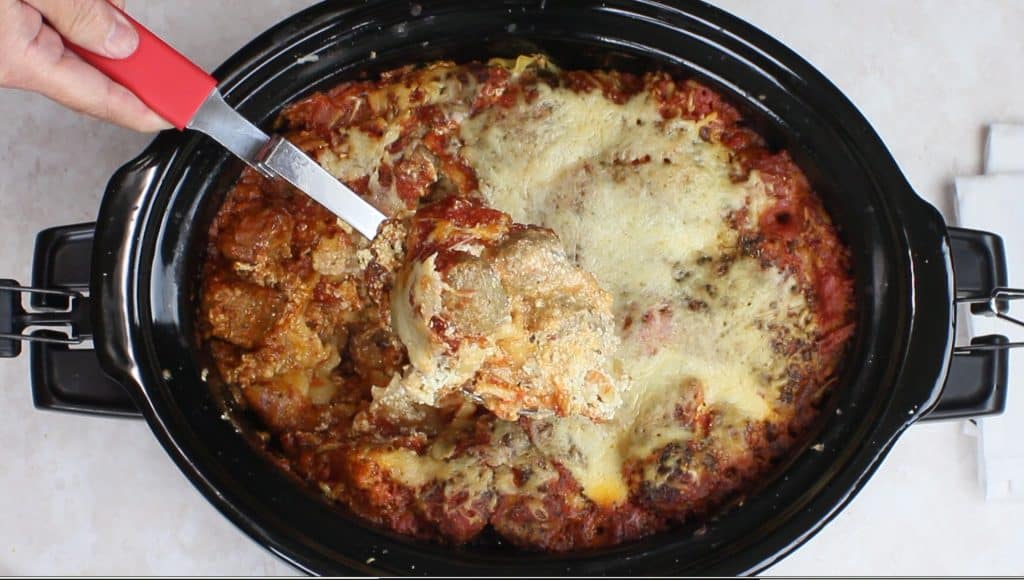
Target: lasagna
(669,250)
(496,310)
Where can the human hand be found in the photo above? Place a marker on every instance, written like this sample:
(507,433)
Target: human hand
(33,57)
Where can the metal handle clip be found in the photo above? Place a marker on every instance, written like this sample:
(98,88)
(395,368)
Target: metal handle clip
(995,304)
(14,318)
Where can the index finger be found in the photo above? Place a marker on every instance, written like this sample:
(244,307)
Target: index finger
(92,24)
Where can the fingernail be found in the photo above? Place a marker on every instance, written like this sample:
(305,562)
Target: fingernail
(123,39)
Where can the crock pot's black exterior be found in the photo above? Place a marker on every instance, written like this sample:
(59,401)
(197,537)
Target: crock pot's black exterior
(151,229)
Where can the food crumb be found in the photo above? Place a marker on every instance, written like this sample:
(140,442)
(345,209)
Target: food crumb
(371,560)
(343,226)
(308,59)
(204,374)
(373,54)
(819,447)
(166,374)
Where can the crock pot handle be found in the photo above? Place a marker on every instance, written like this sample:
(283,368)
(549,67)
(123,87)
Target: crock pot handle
(976,383)
(66,375)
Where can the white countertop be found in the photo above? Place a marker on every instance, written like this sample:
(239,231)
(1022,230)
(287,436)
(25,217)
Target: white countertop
(99,496)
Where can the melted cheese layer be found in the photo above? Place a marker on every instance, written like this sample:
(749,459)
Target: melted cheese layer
(644,204)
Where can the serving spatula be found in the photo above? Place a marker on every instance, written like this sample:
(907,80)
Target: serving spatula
(187,97)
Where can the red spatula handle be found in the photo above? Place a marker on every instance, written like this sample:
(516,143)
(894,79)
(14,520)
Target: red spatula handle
(160,76)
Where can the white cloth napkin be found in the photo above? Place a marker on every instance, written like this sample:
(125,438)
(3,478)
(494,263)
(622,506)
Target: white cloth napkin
(995,202)
(1004,149)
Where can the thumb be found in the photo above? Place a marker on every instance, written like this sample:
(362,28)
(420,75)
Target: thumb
(92,24)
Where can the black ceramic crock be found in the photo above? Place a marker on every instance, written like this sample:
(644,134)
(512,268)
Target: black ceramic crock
(148,241)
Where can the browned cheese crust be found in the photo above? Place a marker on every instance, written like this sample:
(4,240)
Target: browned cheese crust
(731,291)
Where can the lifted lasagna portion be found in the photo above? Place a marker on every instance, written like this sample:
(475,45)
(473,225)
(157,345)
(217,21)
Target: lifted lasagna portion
(727,300)
(496,311)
